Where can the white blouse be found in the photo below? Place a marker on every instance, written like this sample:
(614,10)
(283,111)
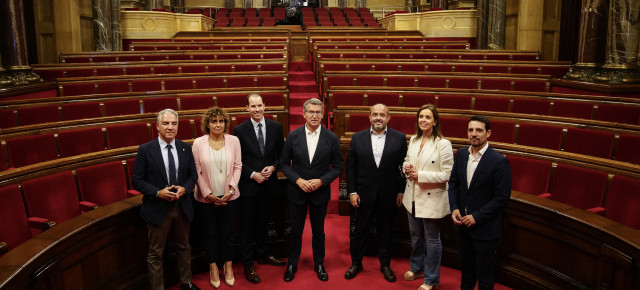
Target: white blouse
(218,174)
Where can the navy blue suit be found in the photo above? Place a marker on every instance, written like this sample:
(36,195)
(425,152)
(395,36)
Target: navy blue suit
(377,186)
(326,166)
(484,199)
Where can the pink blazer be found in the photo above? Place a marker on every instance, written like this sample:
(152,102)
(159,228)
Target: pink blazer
(201,157)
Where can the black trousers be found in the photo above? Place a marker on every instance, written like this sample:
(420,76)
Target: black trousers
(298,215)
(477,260)
(364,215)
(218,225)
(254,218)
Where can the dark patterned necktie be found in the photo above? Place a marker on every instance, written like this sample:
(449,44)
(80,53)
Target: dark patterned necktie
(172,167)
(260,138)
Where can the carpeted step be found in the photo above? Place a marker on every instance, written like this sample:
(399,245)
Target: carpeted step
(298,99)
(303,87)
(300,66)
(301,76)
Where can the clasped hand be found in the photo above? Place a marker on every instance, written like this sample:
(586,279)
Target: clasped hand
(410,172)
(263,175)
(172,193)
(466,220)
(219,201)
(309,185)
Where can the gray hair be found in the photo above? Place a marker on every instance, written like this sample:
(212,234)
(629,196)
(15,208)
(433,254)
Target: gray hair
(312,101)
(166,111)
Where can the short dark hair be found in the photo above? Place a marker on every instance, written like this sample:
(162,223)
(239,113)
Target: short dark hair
(254,95)
(211,113)
(481,119)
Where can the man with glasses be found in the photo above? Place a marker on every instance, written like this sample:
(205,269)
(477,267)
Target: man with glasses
(310,160)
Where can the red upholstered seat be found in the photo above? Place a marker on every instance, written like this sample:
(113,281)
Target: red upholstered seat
(231,101)
(14,228)
(103,184)
(347,99)
(179,56)
(38,115)
(220,68)
(155,57)
(623,201)
(412,67)
(432,82)
(467,68)
(571,109)
(130,163)
(247,67)
(454,127)
(109,71)
(130,58)
(436,67)
(529,175)
(53,197)
(374,81)
(542,136)
(7,118)
(80,110)
(196,102)
(31,149)
(495,68)
(358,122)
(121,107)
(199,68)
(178,84)
(76,89)
(502,131)
(463,83)
(238,82)
(386,67)
(579,187)
(495,84)
(417,100)
(524,69)
(628,114)
(127,135)
(75,59)
(273,99)
(493,104)
(79,72)
(268,81)
(146,85)
(152,105)
(50,74)
(339,81)
(454,102)
(361,67)
(209,83)
(113,87)
(389,99)
(331,67)
(138,70)
(589,142)
(104,58)
(394,81)
(627,149)
(404,123)
(80,141)
(531,106)
(530,85)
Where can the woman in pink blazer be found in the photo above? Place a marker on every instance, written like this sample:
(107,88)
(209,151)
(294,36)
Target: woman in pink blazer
(218,162)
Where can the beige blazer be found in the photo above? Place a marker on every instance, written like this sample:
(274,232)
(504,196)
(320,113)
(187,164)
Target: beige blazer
(434,165)
(201,157)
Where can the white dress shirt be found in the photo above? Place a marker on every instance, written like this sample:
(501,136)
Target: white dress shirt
(473,161)
(264,128)
(377,144)
(312,141)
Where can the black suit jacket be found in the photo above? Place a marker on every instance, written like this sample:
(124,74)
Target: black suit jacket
(149,176)
(488,192)
(365,178)
(252,158)
(326,165)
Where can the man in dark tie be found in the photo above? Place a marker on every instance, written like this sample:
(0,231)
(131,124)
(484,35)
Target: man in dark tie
(311,160)
(165,173)
(479,187)
(261,141)
(375,185)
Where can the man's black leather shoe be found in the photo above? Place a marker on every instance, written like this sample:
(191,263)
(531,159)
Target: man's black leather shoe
(188,286)
(322,273)
(271,260)
(353,271)
(251,275)
(288,274)
(388,273)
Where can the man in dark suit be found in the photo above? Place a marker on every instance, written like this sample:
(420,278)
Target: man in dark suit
(261,141)
(311,160)
(375,184)
(479,187)
(165,173)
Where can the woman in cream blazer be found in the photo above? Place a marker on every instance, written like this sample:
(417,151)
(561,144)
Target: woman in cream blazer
(219,165)
(427,168)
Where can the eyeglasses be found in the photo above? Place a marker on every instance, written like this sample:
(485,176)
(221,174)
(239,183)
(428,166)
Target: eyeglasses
(317,113)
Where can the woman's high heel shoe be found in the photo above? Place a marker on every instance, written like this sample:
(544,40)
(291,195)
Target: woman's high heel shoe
(231,281)
(214,284)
